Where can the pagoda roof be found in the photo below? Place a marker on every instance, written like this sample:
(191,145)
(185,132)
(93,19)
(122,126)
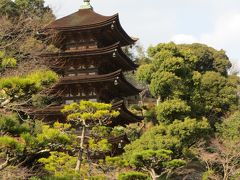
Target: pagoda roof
(123,59)
(82,19)
(125,117)
(129,89)
(87,19)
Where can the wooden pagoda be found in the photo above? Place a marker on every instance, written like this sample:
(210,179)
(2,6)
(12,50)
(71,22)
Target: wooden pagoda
(91,63)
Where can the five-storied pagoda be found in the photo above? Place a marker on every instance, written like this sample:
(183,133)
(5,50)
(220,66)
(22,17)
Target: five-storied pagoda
(91,63)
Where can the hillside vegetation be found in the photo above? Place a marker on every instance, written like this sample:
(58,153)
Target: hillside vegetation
(193,132)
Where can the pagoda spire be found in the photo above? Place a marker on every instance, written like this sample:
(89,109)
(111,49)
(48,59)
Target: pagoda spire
(86,5)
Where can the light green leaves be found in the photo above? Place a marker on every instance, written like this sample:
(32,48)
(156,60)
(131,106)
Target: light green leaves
(9,63)
(164,84)
(11,144)
(25,86)
(60,164)
(170,110)
(156,159)
(92,112)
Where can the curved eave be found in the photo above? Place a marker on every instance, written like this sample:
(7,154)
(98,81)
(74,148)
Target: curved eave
(112,20)
(111,77)
(126,59)
(81,20)
(125,117)
(89,52)
(48,111)
(123,33)
(115,48)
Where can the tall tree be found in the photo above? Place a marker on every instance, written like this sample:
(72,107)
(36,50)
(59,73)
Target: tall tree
(88,114)
(196,74)
(20,33)
(222,154)
(158,161)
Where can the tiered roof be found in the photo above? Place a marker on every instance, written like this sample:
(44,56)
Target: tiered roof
(113,53)
(108,32)
(126,117)
(116,79)
(88,20)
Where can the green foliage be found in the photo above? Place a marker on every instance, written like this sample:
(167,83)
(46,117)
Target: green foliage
(21,22)
(195,74)
(215,94)
(98,178)
(61,165)
(133,176)
(12,144)
(164,84)
(158,160)
(150,158)
(174,137)
(9,62)
(8,8)
(100,131)
(207,175)
(222,154)
(10,124)
(99,146)
(24,87)
(144,73)
(116,162)
(229,134)
(15,8)
(41,100)
(170,110)
(42,140)
(87,111)
(230,128)
(118,131)
(53,137)
(2,54)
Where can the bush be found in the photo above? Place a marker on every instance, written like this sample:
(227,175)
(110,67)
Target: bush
(9,62)
(170,110)
(2,54)
(98,178)
(12,125)
(133,176)
(24,86)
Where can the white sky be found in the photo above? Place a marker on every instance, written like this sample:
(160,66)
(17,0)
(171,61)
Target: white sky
(213,22)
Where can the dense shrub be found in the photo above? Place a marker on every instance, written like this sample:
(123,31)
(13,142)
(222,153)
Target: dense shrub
(133,176)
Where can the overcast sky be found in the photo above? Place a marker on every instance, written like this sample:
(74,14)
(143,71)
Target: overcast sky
(213,22)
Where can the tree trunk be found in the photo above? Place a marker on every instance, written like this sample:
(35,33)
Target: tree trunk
(153,174)
(5,164)
(80,152)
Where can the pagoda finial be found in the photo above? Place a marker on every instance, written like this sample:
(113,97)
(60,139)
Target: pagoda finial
(86,5)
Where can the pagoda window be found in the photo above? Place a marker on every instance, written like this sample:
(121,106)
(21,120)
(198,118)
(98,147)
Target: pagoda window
(71,68)
(92,73)
(82,74)
(74,92)
(71,75)
(79,93)
(70,94)
(80,67)
(92,67)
